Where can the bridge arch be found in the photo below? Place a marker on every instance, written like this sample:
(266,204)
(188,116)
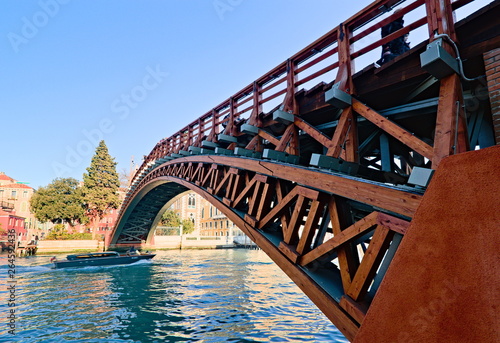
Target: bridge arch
(291,213)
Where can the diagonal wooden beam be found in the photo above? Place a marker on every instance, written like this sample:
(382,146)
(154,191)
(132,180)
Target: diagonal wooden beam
(347,265)
(291,234)
(392,223)
(340,134)
(265,199)
(267,136)
(370,262)
(309,230)
(333,243)
(223,182)
(313,132)
(278,209)
(393,129)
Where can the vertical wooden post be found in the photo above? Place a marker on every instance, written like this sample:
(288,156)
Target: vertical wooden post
(346,135)
(290,139)
(257,106)
(440,18)
(450,136)
(215,128)
(290,102)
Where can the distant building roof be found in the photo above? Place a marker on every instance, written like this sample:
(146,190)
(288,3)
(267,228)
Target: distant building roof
(6,178)
(4,213)
(16,185)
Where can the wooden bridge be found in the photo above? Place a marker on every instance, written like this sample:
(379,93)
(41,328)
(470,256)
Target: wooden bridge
(375,190)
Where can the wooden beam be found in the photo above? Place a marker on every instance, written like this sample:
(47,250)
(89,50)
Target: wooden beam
(313,132)
(371,193)
(392,223)
(340,134)
(355,309)
(447,139)
(348,234)
(345,257)
(267,136)
(393,129)
(291,235)
(309,230)
(370,262)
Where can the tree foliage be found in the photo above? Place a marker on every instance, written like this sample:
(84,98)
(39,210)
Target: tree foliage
(100,185)
(59,202)
(170,218)
(187,226)
(59,232)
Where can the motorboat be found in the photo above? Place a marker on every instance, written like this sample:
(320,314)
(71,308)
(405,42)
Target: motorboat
(99,259)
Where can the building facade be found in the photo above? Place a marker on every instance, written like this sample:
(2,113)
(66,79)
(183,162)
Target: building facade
(10,221)
(208,220)
(19,194)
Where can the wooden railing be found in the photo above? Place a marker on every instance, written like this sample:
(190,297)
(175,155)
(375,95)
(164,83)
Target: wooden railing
(331,57)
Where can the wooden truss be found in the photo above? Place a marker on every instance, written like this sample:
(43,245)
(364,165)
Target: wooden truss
(310,222)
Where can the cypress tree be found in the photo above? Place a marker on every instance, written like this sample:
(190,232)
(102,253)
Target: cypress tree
(100,186)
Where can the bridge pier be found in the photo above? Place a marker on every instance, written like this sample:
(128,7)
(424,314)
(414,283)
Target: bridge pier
(443,283)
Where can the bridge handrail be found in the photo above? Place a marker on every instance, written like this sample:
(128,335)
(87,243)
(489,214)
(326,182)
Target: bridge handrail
(282,81)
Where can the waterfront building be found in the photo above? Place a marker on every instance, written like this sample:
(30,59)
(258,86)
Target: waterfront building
(19,194)
(188,207)
(207,219)
(9,220)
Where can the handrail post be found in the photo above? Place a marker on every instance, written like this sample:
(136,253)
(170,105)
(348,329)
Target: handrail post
(290,102)
(345,139)
(257,106)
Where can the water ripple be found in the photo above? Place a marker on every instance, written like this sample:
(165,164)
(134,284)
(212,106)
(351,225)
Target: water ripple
(182,296)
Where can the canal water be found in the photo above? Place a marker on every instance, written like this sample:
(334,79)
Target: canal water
(231,295)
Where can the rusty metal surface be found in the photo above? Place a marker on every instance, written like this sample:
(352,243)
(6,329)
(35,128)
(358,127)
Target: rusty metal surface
(444,282)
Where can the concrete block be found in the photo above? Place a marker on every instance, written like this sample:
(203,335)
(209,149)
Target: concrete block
(247,153)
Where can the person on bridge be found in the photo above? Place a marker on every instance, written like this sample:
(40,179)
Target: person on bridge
(395,47)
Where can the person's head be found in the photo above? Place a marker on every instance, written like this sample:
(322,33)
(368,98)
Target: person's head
(397,10)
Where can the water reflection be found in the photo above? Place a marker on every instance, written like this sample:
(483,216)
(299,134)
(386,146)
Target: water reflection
(192,296)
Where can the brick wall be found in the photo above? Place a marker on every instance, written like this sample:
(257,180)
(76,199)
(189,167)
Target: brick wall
(492,65)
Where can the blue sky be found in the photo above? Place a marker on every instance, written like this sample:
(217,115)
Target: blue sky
(131,72)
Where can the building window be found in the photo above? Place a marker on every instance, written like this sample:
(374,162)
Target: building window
(211,213)
(215,225)
(191,201)
(25,194)
(1,193)
(13,194)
